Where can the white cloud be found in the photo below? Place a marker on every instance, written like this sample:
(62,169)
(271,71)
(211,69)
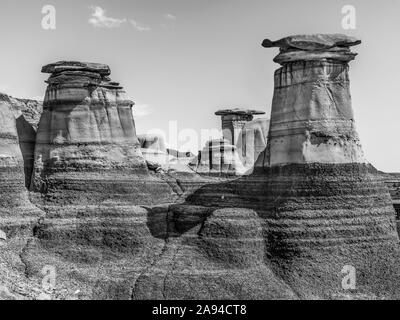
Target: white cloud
(170,20)
(139,27)
(142,110)
(169,16)
(100,20)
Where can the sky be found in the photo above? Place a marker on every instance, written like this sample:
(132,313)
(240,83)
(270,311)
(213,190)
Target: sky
(181,60)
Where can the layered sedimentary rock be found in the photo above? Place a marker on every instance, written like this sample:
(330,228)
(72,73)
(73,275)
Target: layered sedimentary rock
(324,207)
(87,132)
(312,208)
(29,109)
(233,121)
(312,119)
(18,216)
(16,211)
(90,174)
(27,114)
(331,207)
(334,47)
(212,254)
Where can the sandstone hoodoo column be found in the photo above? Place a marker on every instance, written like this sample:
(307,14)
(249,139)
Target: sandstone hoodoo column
(16,211)
(326,207)
(89,171)
(248,135)
(87,150)
(233,121)
(312,119)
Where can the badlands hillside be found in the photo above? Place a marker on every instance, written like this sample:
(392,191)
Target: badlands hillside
(89,209)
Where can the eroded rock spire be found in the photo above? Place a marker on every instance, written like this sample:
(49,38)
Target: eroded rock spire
(89,170)
(327,206)
(87,132)
(312,119)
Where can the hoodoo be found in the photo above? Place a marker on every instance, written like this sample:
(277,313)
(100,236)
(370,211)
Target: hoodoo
(312,119)
(87,133)
(89,171)
(27,114)
(313,219)
(327,207)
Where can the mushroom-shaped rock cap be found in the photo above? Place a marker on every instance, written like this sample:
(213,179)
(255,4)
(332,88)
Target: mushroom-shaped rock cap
(313,42)
(60,66)
(333,47)
(238,111)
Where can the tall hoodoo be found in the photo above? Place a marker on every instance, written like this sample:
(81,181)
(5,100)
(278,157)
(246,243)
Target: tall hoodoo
(89,168)
(327,208)
(233,121)
(312,118)
(87,132)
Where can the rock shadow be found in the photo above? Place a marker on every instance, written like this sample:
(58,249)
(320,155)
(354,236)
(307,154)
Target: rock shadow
(27,141)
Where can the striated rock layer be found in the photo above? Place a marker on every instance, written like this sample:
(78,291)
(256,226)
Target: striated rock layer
(112,242)
(322,205)
(289,229)
(87,133)
(115,230)
(16,211)
(392,181)
(212,254)
(27,114)
(90,174)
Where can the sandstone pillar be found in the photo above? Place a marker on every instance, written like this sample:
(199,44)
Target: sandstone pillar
(89,170)
(87,133)
(312,119)
(327,207)
(323,210)
(239,130)
(16,211)
(233,121)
